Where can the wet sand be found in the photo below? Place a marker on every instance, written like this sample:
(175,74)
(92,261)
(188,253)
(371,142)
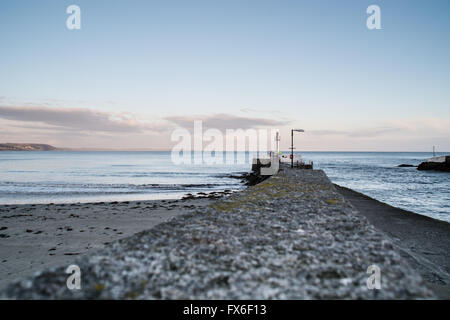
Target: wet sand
(40,236)
(424,242)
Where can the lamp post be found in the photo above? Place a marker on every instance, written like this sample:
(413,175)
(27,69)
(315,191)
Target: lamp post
(292,144)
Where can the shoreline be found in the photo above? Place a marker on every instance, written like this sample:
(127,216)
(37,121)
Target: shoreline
(423,241)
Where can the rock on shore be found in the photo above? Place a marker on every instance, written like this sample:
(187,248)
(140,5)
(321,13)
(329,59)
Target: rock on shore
(292,236)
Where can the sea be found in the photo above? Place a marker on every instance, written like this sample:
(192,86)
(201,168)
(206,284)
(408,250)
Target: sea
(31,177)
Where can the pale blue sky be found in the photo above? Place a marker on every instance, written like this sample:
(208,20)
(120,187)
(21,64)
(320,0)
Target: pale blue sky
(314,63)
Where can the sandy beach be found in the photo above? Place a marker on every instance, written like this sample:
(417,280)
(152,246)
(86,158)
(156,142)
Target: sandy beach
(38,236)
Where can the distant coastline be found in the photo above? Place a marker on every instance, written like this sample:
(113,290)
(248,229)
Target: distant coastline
(46,147)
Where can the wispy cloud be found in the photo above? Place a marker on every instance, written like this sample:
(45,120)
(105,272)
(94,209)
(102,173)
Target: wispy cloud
(423,126)
(83,127)
(406,128)
(76,119)
(99,121)
(327,132)
(258,110)
(359,133)
(226,121)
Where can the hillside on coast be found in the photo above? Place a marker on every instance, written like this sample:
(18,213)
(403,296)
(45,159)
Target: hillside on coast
(26,147)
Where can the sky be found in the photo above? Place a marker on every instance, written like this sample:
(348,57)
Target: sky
(138,70)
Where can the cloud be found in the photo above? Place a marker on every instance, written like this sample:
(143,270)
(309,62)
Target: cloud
(358,133)
(423,126)
(82,127)
(226,121)
(327,132)
(408,128)
(83,119)
(373,132)
(76,119)
(256,110)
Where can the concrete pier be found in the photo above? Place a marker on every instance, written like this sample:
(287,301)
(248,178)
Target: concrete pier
(293,236)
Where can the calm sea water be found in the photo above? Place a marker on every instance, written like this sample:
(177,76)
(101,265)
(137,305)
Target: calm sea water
(44,177)
(376,174)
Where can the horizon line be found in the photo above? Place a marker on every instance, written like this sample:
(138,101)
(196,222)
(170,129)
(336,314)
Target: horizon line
(168,150)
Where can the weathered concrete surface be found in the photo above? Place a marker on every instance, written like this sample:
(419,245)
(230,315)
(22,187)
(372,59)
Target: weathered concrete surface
(423,241)
(291,237)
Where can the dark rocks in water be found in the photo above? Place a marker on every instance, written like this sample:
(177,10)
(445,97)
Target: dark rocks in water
(235,176)
(403,165)
(253,178)
(436,166)
(249,178)
(440,164)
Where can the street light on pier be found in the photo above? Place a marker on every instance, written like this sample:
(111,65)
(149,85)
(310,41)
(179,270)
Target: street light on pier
(292,144)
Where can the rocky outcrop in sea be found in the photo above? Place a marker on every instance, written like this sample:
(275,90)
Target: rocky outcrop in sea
(436,164)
